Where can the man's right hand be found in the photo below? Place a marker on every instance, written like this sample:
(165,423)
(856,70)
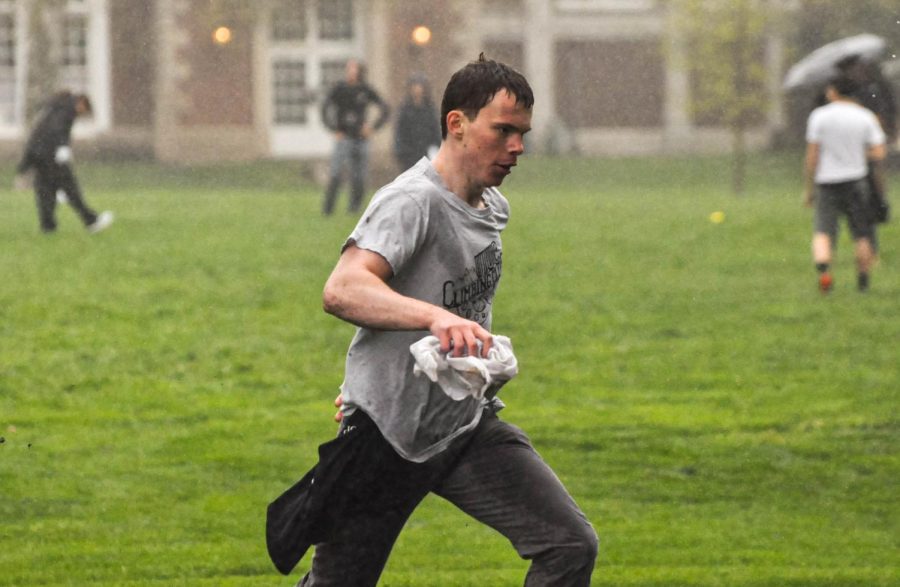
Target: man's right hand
(808,198)
(338,402)
(461,336)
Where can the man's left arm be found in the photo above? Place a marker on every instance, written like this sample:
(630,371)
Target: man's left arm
(328,111)
(384,110)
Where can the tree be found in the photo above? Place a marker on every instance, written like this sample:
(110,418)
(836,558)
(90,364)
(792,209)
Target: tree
(817,22)
(724,44)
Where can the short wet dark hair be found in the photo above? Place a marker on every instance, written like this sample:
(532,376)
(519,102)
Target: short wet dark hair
(67,98)
(86,103)
(471,88)
(844,85)
(848,62)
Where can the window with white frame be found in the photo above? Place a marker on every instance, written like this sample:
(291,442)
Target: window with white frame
(335,19)
(312,41)
(332,71)
(79,33)
(83,44)
(291,95)
(74,51)
(289,20)
(308,43)
(9,64)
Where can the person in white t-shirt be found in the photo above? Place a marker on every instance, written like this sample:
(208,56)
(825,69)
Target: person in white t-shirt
(842,138)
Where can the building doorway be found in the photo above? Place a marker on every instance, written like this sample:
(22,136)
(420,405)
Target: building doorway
(308,43)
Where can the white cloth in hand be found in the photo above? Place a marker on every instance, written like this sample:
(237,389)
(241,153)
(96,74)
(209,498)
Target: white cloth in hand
(462,377)
(63,155)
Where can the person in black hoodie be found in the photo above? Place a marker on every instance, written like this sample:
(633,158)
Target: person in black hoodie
(418,128)
(344,113)
(874,92)
(49,154)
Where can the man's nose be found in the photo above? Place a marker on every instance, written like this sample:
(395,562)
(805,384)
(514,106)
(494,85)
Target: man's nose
(516,145)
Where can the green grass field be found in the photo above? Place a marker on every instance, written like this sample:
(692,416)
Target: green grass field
(719,420)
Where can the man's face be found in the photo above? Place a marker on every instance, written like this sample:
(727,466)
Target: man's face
(493,140)
(81,107)
(417,93)
(351,72)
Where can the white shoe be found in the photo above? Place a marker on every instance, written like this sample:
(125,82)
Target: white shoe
(61,197)
(103,221)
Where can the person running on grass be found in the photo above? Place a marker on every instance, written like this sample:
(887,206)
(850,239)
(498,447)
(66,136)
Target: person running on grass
(842,139)
(425,258)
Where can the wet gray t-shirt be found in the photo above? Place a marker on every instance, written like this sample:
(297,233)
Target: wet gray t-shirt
(444,252)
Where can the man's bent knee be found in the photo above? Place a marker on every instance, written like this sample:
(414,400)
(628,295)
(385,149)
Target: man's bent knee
(585,549)
(567,563)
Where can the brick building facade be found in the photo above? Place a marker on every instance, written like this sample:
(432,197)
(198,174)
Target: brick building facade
(207,80)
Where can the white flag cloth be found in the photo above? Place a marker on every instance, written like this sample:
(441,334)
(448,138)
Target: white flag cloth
(63,155)
(462,377)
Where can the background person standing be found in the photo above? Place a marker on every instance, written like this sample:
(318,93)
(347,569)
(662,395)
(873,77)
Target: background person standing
(842,138)
(49,154)
(418,126)
(344,112)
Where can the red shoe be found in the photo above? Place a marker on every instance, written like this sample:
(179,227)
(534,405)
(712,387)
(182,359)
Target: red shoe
(825,283)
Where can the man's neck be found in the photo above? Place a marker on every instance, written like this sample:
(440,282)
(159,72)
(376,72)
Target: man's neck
(844,100)
(456,180)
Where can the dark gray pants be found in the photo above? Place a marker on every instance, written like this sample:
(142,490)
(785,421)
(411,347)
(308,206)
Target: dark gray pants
(496,477)
(50,178)
(352,155)
(850,199)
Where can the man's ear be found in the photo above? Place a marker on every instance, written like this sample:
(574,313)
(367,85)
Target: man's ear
(456,122)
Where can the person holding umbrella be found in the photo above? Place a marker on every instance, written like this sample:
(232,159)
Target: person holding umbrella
(856,57)
(822,65)
(842,138)
(875,93)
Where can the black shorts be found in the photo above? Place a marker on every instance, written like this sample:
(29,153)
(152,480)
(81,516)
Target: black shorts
(850,199)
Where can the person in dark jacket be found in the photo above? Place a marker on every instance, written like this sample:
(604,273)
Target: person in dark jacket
(49,154)
(418,128)
(874,92)
(344,113)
